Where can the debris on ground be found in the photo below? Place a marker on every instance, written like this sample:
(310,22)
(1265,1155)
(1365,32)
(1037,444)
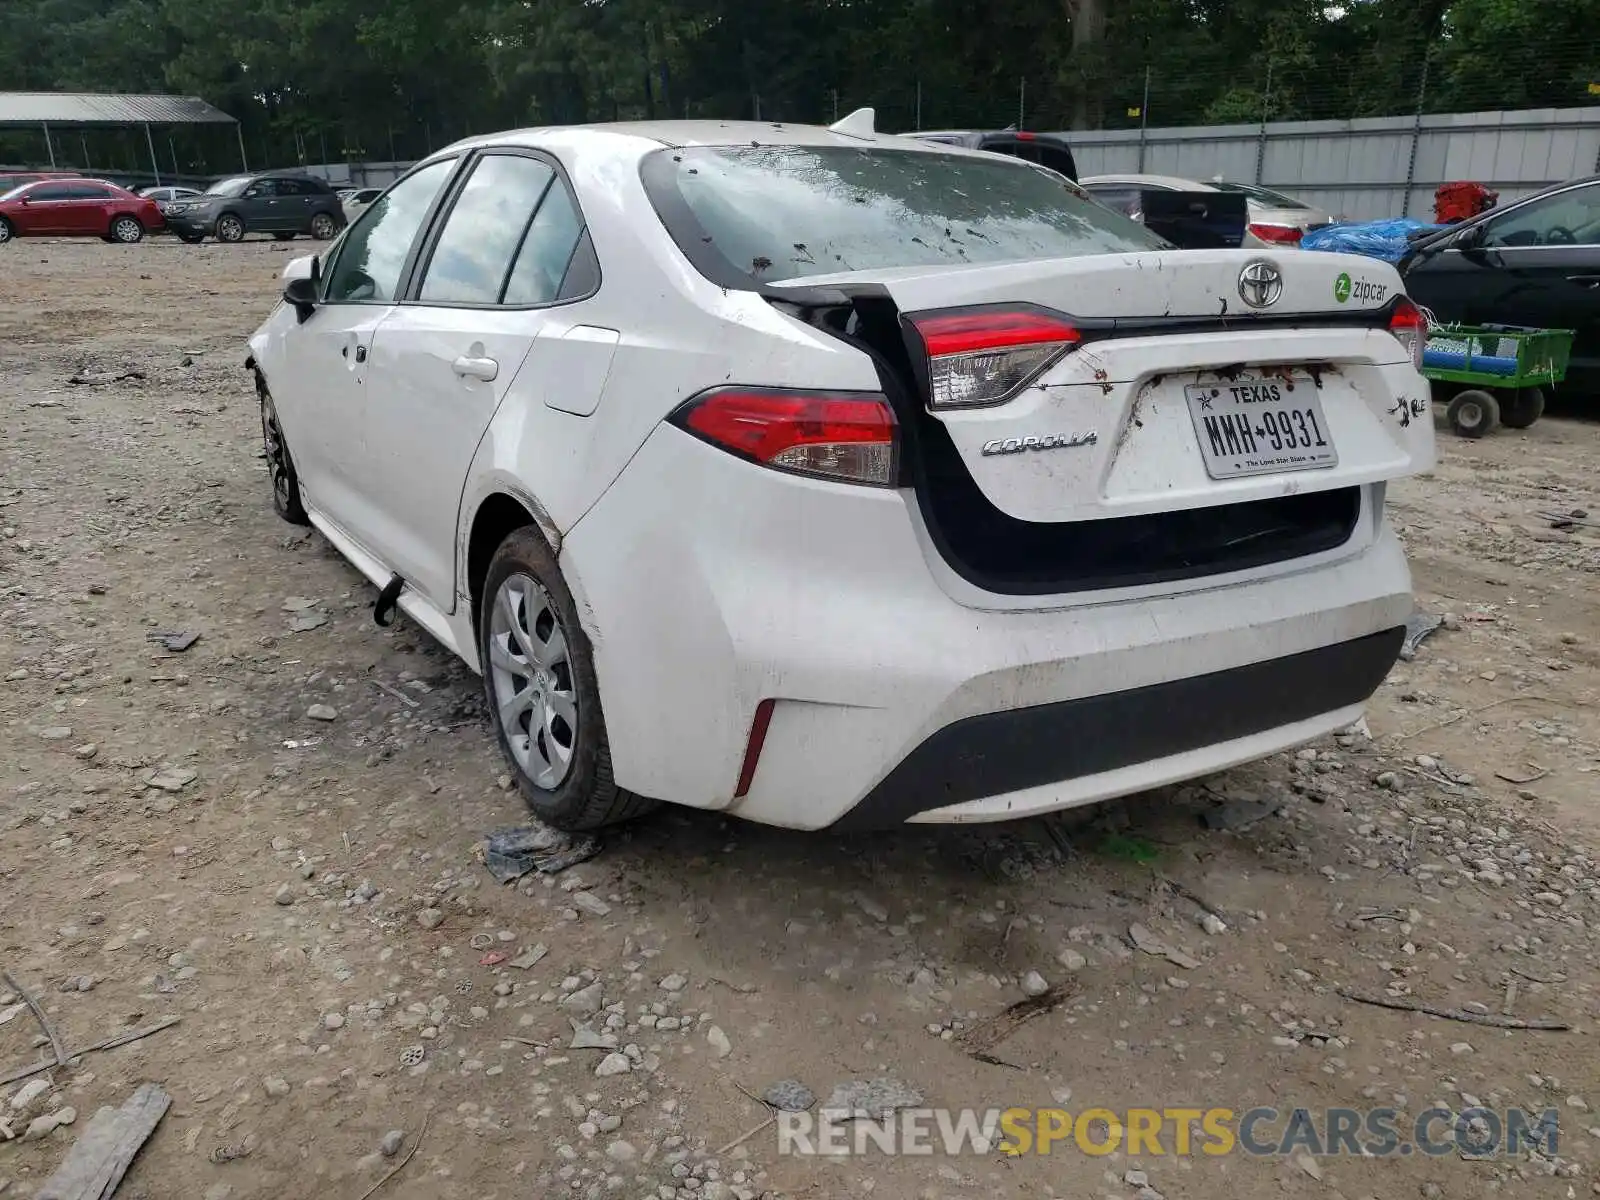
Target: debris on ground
(1419,626)
(1141,937)
(518,850)
(94,1167)
(789,1095)
(873,1099)
(1238,814)
(177,643)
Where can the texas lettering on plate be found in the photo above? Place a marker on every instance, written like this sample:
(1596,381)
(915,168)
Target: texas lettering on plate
(1257,426)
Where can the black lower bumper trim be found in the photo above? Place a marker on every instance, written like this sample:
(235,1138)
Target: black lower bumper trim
(994,753)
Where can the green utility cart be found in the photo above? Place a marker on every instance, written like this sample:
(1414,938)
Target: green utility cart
(1489,375)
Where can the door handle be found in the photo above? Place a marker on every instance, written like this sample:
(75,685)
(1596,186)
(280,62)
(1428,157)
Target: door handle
(361,352)
(476,368)
(1590,281)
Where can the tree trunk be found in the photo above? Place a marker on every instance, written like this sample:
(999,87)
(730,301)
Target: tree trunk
(1088,19)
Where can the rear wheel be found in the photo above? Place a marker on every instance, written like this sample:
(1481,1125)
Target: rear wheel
(1473,413)
(539,679)
(323,226)
(126,230)
(230,228)
(285,483)
(1523,408)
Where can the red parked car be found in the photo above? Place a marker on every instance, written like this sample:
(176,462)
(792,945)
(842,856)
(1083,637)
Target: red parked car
(76,208)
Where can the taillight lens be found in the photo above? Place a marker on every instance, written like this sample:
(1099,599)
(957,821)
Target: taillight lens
(1277,235)
(1410,328)
(849,436)
(985,356)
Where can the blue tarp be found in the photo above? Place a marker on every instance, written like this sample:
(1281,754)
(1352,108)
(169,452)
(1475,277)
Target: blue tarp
(1388,239)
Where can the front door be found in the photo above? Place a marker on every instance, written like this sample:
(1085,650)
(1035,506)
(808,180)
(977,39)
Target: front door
(327,360)
(445,359)
(1537,265)
(48,210)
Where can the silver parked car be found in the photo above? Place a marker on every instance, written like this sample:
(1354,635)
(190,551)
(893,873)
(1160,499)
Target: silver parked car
(1274,219)
(356,202)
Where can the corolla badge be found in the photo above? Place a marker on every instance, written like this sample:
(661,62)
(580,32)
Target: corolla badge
(1048,441)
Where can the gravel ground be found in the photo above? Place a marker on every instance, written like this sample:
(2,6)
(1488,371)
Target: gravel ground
(179,838)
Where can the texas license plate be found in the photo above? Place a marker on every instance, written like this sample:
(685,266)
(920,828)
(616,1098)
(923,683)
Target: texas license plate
(1258,426)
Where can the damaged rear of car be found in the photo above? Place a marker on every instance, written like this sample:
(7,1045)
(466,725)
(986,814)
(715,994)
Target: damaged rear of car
(1062,515)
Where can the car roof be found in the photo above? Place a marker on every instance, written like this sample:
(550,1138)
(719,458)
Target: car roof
(685,134)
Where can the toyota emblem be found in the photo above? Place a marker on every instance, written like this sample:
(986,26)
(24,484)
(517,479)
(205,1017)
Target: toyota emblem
(1260,284)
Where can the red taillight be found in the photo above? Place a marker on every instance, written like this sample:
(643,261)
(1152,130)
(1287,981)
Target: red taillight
(1277,235)
(835,435)
(984,356)
(1410,328)
(752,749)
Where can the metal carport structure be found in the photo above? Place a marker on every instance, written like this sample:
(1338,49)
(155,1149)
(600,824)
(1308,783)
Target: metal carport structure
(85,109)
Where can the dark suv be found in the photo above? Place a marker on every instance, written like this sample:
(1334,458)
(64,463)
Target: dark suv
(280,204)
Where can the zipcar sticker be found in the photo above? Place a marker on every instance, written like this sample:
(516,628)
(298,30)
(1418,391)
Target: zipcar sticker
(1345,288)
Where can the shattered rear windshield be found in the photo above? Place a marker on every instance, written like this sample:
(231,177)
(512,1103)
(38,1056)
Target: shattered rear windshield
(788,212)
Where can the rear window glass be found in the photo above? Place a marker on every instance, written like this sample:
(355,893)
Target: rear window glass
(1260,194)
(789,212)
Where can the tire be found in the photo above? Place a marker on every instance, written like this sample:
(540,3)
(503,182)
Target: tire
(324,226)
(191,239)
(1525,406)
(127,230)
(1473,413)
(530,641)
(230,228)
(280,465)
(5,231)
(283,237)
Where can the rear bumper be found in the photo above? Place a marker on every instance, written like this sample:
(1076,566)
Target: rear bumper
(708,585)
(1010,759)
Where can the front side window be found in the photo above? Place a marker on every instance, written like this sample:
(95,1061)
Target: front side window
(474,253)
(50,191)
(1570,218)
(373,254)
(788,212)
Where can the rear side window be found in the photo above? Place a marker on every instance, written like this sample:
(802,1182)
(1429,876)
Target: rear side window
(787,212)
(479,241)
(542,262)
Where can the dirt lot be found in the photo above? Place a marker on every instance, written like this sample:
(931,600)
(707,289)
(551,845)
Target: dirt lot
(179,838)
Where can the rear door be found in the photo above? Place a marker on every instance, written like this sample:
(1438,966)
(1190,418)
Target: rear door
(90,209)
(510,249)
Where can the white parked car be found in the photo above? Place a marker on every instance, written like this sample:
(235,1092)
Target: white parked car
(831,479)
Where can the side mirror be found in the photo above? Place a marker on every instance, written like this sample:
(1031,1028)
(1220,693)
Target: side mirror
(1471,239)
(301,295)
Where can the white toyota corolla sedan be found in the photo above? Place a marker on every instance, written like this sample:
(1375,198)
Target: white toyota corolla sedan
(838,480)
